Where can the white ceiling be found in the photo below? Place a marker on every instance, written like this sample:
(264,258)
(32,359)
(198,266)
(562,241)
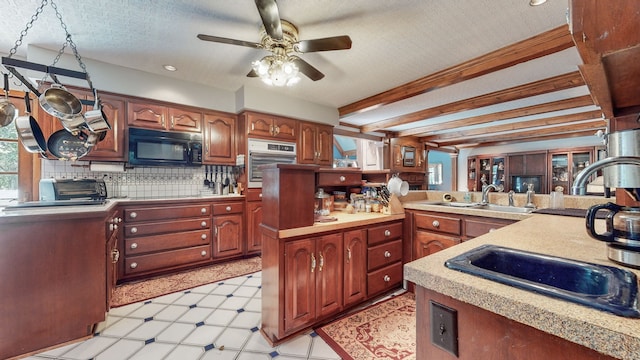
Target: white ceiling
(394,42)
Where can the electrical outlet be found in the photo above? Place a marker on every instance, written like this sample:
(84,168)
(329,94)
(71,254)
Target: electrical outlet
(444,327)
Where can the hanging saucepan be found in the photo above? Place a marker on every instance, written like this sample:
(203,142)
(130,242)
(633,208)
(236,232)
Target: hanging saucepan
(29,131)
(60,103)
(67,146)
(8,111)
(95,119)
(73,125)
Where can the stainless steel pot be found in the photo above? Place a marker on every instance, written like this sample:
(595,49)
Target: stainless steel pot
(623,143)
(60,103)
(29,131)
(67,146)
(95,119)
(8,111)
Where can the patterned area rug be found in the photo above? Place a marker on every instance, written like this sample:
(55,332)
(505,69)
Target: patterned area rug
(384,331)
(146,289)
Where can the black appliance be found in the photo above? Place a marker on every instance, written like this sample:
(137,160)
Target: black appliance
(164,148)
(68,189)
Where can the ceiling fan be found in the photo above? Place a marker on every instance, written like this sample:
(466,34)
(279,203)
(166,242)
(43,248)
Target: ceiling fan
(280,37)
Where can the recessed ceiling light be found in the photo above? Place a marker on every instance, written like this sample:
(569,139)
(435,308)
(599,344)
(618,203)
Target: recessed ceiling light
(537,2)
(169,67)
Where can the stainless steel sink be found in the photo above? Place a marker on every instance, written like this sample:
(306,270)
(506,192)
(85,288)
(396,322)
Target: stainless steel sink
(597,286)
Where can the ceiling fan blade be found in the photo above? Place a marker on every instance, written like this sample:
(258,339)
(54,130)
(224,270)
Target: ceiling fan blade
(229,41)
(270,15)
(326,44)
(306,68)
(252,73)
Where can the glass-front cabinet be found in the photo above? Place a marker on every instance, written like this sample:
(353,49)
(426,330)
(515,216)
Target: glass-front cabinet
(565,166)
(485,170)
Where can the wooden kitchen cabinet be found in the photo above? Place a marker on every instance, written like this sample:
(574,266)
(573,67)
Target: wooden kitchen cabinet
(406,155)
(270,126)
(434,232)
(313,280)
(254,219)
(160,116)
(524,168)
(564,166)
(162,238)
(315,145)
(384,258)
(228,231)
(219,138)
(355,267)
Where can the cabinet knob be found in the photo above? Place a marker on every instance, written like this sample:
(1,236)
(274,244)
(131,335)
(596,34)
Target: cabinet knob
(387,254)
(112,227)
(203,236)
(387,233)
(203,224)
(203,210)
(343,179)
(492,229)
(387,278)
(134,215)
(134,245)
(436,223)
(133,265)
(260,196)
(203,253)
(134,230)
(228,208)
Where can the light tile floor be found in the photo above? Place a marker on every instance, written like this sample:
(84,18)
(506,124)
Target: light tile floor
(215,321)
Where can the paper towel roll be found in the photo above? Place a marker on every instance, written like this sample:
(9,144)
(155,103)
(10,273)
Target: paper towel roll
(106,167)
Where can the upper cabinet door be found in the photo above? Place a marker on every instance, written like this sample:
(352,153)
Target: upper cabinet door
(145,115)
(219,138)
(112,147)
(184,120)
(269,126)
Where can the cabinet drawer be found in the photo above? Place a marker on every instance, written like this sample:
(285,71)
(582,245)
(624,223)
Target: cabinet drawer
(254,195)
(477,227)
(384,279)
(167,259)
(382,233)
(438,223)
(151,228)
(166,212)
(227,208)
(144,244)
(339,179)
(384,254)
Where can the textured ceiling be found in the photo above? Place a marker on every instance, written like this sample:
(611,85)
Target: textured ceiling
(394,42)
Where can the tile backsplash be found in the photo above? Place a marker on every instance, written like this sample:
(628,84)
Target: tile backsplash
(138,182)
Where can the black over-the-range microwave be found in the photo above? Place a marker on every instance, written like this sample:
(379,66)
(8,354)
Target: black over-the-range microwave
(164,148)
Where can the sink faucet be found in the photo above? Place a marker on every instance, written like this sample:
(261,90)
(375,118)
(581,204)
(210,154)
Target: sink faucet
(485,192)
(511,192)
(530,194)
(580,181)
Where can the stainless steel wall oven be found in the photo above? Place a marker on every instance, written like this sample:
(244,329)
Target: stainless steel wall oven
(263,152)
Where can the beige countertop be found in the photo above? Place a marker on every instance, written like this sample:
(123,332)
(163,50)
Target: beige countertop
(427,205)
(554,235)
(344,221)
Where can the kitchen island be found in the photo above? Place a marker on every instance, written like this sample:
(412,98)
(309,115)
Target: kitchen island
(547,324)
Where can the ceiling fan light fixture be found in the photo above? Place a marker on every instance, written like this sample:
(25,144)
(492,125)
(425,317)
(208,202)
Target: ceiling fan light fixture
(277,70)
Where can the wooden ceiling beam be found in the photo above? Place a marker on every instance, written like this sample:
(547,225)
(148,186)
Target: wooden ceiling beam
(521,125)
(530,139)
(565,104)
(549,42)
(522,135)
(556,83)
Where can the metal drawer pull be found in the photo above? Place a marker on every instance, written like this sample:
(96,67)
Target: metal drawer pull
(112,227)
(435,223)
(203,210)
(134,230)
(134,215)
(313,262)
(203,253)
(343,179)
(492,229)
(387,278)
(133,265)
(203,236)
(203,224)
(387,254)
(228,208)
(115,227)
(321,263)
(387,233)
(134,245)
(348,256)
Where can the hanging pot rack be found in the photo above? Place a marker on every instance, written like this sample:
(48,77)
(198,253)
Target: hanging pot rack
(80,121)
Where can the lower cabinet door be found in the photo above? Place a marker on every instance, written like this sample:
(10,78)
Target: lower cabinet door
(427,243)
(355,267)
(228,235)
(329,275)
(300,288)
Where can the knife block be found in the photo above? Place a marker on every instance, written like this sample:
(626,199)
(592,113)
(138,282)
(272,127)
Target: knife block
(395,206)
